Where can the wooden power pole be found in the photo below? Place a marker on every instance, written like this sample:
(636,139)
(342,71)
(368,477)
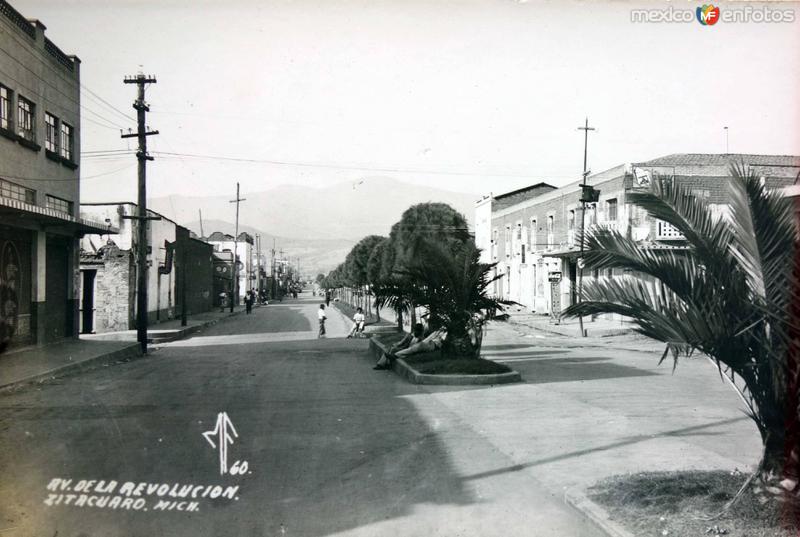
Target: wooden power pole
(235,248)
(586,128)
(141,217)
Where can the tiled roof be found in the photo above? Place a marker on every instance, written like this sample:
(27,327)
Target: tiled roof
(717,159)
(517,196)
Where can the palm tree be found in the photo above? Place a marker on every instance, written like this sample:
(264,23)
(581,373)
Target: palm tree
(394,293)
(727,295)
(453,285)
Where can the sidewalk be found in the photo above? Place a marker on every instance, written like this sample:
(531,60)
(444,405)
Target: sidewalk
(39,363)
(387,322)
(587,412)
(36,364)
(570,326)
(169,330)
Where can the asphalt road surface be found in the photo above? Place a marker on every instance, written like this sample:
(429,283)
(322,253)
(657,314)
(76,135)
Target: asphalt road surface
(315,443)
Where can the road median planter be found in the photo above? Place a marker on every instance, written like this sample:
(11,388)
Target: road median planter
(431,368)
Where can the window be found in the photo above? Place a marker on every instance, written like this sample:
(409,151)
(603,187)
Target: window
(508,241)
(533,233)
(57,204)
(17,192)
(571,220)
(5,108)
(26,120)
(550,224)
(67,141)
(494,244)
(591,215)
(523,255)
(50,132)
(612,210)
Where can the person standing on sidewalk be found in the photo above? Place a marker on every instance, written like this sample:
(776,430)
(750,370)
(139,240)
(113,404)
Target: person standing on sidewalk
(322,317)
(248,302)
(223,301)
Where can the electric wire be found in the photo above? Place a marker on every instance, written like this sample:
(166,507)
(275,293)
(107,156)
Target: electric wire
(49,179)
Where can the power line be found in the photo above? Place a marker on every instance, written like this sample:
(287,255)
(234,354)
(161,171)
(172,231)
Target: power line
(357,167)
(55,88)
(115,125)
(90,120)
(111,106)
(19,177)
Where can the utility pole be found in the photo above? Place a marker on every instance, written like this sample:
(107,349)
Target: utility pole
(202,233)
(586,128)
(235,248)
(272,290)
(258,265)
(727,148)
(141,217)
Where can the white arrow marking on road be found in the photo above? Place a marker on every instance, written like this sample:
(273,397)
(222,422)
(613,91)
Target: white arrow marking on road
(223,429)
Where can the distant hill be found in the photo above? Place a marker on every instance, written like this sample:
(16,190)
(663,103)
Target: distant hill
(341,211)
(316,255)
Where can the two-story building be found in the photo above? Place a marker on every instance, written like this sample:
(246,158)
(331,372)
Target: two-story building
(533,234)
(39,184)
(246,259)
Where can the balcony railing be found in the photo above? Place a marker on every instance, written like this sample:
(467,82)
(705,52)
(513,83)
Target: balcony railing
(667,232)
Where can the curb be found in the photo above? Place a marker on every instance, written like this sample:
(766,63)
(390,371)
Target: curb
(609,332)
(127,353)
(599,516)
(404,370)
(183,332)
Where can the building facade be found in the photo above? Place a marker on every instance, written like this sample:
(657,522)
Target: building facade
(245,256)
(180,270)
(39,184)
(534,234)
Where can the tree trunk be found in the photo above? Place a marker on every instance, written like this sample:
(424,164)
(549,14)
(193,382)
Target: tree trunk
(462,347)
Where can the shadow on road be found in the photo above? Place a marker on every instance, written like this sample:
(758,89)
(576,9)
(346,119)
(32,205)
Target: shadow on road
(331,445)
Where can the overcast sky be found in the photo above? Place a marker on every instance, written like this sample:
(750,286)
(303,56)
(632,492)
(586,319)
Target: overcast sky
(491,91)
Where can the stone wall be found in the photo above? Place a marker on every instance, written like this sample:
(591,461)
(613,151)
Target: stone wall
(114,291)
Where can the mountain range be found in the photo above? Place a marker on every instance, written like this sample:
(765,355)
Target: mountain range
(319,225)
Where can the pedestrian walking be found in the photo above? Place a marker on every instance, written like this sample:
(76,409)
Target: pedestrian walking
(322,318)
(327,298)
(249,298)
(223,301)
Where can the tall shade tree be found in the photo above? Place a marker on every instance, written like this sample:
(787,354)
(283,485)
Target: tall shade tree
(727,295)
(358,259)
(356,266)
(433,221)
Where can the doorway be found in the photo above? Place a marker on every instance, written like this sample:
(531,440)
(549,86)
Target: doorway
(87,301)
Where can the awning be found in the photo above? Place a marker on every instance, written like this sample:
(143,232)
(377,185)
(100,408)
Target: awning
(14,211)
(573,252)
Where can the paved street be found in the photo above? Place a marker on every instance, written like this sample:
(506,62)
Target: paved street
(332,447)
